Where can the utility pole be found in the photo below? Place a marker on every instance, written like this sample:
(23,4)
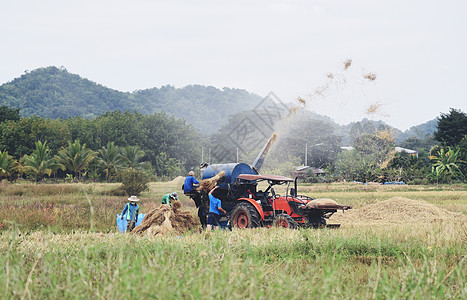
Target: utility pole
(306,151)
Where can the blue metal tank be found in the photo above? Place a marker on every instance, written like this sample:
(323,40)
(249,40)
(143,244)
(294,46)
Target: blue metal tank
(231,172)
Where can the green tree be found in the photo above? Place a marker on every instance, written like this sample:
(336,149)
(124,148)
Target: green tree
(163,133)
(134,181)
(132,156)
(122,128)
(40,162)
(8,165)
(85,130)
(76,158)
(109,160)
(167,166)
(353,165)
(19,137)
(355,131)
(447,164)
(7,113)
(452,127)
(378,145)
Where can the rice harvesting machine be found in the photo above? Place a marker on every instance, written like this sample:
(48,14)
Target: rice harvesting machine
(248,207)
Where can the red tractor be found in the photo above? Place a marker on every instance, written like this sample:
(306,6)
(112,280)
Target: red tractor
(247,207)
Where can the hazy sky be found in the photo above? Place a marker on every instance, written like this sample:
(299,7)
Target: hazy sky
(416,49)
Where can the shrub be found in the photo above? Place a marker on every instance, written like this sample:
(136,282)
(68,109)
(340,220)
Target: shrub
(134,181)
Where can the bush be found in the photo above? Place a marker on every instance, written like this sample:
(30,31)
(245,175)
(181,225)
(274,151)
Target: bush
(134,181)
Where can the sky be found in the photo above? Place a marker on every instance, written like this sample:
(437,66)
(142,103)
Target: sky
(416,51)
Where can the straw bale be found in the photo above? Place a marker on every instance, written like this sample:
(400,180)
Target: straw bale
(208,184)
(397,210)
(166,219)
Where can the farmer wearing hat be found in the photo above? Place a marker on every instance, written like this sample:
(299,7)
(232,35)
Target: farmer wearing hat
(168,198)
(131,211)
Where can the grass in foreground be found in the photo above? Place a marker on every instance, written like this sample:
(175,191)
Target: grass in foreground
(414,262)
(59,241)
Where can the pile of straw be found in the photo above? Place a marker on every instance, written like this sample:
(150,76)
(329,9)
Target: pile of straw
(397,210)
(178,179)
(165,220)
(208,184)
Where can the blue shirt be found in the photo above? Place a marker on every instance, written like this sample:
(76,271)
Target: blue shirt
(188,186)
(132,212)
(214,204)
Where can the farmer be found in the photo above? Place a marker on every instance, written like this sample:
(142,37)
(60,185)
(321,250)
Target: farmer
(202,168)
(189,189)
(131,210)
(168,198)
(214,208)
(190,184)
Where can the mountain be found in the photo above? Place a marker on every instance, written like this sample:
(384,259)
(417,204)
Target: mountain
(419,131)
(53,92)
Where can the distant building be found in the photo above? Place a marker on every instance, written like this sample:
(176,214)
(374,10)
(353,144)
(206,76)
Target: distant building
(411,152)
(397,149)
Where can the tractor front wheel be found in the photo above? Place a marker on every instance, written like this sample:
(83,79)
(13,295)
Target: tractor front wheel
(245,215)
(285,221)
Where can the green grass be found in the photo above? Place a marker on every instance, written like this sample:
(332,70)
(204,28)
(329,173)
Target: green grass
(254,264)
(49,250)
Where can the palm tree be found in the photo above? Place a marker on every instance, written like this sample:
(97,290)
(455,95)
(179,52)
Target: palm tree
(40,162)
(447,163)
(131,157)
(8,164)
(110,160)
(76,157)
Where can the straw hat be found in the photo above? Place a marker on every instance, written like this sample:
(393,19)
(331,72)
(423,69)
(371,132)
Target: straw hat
(133,199)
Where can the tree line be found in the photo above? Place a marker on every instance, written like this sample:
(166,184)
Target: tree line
(95,148)
(164,147)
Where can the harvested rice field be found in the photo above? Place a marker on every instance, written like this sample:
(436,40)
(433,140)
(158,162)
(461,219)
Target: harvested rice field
(60,241)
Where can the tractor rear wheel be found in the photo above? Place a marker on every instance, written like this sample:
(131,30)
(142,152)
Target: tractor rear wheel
(285,221)
(245,215)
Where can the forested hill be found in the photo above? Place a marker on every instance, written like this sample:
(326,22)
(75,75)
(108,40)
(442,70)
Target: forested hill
(55,93)
(420,131)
